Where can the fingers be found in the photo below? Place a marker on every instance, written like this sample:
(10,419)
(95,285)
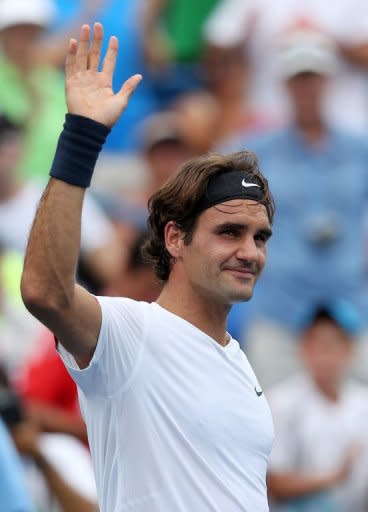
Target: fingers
(70,58)
(82,51)
(130,86)
(110,58)
(95,50)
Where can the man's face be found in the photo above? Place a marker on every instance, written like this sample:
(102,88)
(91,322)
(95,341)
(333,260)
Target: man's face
(18,41)
(228,251)
(306,91)
(165,158)
(326,353)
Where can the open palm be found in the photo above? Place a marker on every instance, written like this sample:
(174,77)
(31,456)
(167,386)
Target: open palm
(89,91)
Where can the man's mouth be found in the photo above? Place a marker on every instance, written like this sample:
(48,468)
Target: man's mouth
(241,272)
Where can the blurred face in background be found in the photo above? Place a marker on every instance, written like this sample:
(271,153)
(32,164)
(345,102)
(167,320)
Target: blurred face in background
(199,116)
(17,43)
(227,71)
(326,352)
(306,92)
(138,283)
(164,159)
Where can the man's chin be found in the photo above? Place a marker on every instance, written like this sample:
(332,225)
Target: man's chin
(242,296)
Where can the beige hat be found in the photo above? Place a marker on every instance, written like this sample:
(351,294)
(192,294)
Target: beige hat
(161,127)
(306,50)
(32,12)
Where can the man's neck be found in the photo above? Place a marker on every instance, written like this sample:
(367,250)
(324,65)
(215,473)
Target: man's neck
(332,393)
(206,316)
(313,132)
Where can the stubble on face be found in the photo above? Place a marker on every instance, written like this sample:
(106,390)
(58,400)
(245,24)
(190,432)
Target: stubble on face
(227,252)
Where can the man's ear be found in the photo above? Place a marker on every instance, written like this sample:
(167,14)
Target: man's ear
(173,239)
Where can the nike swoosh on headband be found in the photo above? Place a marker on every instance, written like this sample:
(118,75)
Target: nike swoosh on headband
(247,185)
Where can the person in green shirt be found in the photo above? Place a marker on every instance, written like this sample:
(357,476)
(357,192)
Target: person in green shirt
(173,42)
(31,92)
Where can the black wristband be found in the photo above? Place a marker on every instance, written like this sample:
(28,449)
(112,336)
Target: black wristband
(77,151)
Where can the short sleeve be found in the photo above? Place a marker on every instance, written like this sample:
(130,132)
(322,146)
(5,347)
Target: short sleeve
(118,349)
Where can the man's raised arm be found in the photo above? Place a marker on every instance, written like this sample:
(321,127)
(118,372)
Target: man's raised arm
(49,289)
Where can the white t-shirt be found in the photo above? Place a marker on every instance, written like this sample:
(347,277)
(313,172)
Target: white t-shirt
(344,20)
(17,214)
(314,434)
(72,460)
(174,421)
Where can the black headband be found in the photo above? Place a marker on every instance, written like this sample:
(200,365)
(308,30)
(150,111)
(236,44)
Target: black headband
(233,185)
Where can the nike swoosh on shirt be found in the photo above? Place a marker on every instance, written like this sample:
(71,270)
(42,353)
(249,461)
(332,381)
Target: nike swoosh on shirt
(258,392)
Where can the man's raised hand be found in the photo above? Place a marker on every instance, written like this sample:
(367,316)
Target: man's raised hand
(89,91)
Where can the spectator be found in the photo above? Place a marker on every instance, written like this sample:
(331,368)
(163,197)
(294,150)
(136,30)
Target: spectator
(319,461)
(58,470)
(14,495)
(165,148)
(16,323)
(263,21)
(173,44)
(199,115)
(137,279)
(47,460)
(319,179)
(48,393)
(118,17)
(69,15)
(229,75)
(31,93)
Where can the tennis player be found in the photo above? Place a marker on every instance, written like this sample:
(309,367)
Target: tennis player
(176,419)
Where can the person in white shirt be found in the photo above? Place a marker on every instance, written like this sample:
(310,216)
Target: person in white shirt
(319,462)
(265,21)
(175,416)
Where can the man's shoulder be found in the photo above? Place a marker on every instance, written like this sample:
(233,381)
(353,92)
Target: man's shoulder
(123,311)
(352,141)
(122,303)
(356,393)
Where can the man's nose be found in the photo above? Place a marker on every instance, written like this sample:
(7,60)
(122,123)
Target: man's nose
(248,249)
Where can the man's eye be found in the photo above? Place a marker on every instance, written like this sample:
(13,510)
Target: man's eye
(229,232)
(261,238)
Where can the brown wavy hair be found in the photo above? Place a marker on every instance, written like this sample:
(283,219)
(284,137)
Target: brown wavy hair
(179,198)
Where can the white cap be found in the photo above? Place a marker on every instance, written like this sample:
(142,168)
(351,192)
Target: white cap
(32,12)
(306,50)
(161,127)
(228,24)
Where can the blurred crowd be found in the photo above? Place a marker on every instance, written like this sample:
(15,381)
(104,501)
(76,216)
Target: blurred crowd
(287,80)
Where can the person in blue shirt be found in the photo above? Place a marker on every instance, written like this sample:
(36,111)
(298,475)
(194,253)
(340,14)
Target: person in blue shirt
(13,493)
(319,177)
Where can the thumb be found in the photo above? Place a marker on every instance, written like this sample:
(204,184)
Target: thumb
(129,87)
